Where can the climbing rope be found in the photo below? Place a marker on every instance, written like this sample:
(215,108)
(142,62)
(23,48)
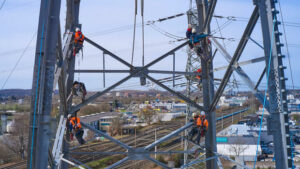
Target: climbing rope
(36,90)
(265,96)
(78,69)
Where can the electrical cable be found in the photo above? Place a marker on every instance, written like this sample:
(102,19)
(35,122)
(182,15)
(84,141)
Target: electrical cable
(18,61)
(167,34)
(3,2)
(143,33)
(134,29)
(244,19)
(220,33)
(286,43)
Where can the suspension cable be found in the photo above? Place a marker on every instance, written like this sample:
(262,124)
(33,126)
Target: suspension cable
(134,29)
(143,32)
(18,61)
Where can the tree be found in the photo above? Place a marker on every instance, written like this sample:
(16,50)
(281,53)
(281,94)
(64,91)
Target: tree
(17,140)
(116,126)
(147,114)
(238,147)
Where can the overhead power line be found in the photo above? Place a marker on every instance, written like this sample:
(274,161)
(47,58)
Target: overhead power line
(244,19)
(18,61)
(2,4)
(287,46)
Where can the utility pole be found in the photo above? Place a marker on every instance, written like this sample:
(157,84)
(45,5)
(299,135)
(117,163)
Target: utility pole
(207,84)
(42,85)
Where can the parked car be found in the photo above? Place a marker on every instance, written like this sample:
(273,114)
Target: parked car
(262,157)
(266,150)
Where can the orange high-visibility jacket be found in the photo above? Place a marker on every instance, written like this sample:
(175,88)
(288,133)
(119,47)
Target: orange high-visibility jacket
(75,121)
(202,122)
(79,37)
(199,71)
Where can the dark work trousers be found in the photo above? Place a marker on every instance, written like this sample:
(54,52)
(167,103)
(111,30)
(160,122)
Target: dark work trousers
(192,133)
(200,134)
(79,135)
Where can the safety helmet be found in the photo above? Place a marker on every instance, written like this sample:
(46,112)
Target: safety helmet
(69,116)
(202,113)
(77,29)
(194,114)
(189,25)
(194,30)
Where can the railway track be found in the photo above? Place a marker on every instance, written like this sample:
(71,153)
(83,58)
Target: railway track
(147,164)
(18,165)
(144,138)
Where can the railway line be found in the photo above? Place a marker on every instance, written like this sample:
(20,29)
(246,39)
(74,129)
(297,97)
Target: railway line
(143,138)
(176,144)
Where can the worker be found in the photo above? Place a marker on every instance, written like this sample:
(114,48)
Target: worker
(202,126)
(194,130)
(79,89)
(195,40)
(75,128)
(199,77)
(188,35)
(78,41)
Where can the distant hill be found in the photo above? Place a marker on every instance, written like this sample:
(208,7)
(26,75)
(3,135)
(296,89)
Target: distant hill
(15,92)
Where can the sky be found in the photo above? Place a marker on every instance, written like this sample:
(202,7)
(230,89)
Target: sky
(110,24)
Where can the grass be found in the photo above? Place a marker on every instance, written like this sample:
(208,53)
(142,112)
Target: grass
(104,162)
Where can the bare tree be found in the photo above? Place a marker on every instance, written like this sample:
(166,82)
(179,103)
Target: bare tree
(238,147)
(116,126)
(17,140)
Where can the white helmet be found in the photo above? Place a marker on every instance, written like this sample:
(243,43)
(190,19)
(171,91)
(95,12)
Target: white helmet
(194,30)
(189,25)
(194,114)
(202,113)
(69,116)
(77,29)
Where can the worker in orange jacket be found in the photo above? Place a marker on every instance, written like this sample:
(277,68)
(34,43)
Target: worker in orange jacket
(194,130)
(78,41)
(75,127)
(202,126)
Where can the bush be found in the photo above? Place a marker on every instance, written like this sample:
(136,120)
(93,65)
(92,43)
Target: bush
(104,162)
(161,159)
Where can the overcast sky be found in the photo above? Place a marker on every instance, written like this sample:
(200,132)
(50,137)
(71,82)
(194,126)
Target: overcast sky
(110,23)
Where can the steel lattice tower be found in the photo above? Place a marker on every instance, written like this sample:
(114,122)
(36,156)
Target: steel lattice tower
(53,66)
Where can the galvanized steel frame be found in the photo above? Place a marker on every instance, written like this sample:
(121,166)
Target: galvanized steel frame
(49,19)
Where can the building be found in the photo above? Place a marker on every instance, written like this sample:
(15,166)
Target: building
(242,146)
(100,121)
(241,140)
(232,101)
